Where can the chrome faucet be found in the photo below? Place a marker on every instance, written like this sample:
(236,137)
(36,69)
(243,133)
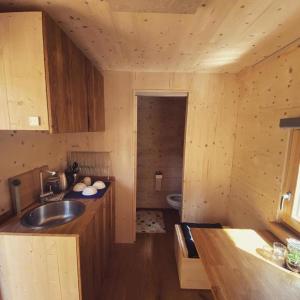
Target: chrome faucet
(43,195)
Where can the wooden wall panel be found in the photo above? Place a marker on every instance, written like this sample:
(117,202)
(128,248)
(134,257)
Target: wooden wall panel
(23,151)
(160,142)
(4,113)
(269,92)
(211,121)
(53,262)
(209,138)
(29,190)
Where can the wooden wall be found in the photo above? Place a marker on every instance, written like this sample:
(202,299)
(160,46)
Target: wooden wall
(208,153)
(160,142)
(211,118)
(269,91)
(22,151)
(209,147)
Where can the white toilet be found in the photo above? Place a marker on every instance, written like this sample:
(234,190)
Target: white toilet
(175,201)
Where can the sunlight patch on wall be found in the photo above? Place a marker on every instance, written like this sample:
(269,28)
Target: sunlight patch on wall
(222,58)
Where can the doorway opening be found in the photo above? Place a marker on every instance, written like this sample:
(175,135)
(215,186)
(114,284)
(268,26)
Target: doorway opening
(160,123)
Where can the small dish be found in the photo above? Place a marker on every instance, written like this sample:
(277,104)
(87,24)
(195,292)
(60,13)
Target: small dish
(89,191)
(87,181)
(99,185)
(79,187)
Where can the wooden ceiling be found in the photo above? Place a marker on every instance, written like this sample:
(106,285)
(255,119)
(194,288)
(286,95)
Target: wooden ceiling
(170,36)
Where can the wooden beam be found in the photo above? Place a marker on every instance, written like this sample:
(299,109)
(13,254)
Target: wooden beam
(290,123)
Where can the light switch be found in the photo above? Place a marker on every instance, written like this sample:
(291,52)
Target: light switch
(34,121)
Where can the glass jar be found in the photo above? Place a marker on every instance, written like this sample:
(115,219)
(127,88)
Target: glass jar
(293,256)
(279,253)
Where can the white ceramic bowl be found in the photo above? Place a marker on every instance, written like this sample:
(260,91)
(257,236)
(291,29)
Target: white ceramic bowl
(99,185)
(89,191)
(79,187)
(87,181)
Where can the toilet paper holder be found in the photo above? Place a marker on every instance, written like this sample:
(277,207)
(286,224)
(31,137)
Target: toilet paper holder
(158,180)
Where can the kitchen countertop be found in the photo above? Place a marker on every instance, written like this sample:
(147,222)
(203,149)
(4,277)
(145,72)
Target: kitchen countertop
(237,270)
(76,226)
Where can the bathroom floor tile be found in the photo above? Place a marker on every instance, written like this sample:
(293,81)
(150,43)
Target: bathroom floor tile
(150,221)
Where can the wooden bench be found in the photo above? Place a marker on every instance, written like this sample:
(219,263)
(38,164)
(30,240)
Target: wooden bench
(191,272)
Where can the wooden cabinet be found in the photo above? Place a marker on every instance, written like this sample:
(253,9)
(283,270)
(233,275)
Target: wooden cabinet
(96,243)
(39,267)
(46,82)
(75,255)
(66,80)
(22,72)
(95,92)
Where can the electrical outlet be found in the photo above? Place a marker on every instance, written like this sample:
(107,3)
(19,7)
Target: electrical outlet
(34,121)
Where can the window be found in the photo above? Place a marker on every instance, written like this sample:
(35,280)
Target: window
(290,201)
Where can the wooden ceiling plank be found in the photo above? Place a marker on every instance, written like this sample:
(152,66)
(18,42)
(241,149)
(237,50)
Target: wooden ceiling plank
(220,36)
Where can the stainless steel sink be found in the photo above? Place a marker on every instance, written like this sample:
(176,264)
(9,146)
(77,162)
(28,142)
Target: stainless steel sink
(53,214)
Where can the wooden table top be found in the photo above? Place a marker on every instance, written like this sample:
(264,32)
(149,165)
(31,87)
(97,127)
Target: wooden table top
(238,268)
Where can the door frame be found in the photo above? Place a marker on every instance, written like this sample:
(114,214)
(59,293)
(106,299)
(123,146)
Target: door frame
(154,93)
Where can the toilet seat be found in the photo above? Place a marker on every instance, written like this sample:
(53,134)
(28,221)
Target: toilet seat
(175,200)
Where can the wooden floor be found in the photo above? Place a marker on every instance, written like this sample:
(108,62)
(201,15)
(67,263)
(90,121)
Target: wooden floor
(147,270)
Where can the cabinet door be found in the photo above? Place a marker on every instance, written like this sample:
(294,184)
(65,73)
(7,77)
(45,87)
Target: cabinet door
(112,213)
(66,86)
(95,92)
(78,91)
(99,233)
(55,47)
(105,234)
(22,72)
(107,230)
(92,256)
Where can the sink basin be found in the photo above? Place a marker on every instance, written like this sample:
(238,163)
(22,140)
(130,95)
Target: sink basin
(53,214)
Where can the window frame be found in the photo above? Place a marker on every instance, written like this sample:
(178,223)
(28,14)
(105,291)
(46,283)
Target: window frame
(292,175)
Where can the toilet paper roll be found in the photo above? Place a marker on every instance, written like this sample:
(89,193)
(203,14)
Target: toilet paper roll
(158,182)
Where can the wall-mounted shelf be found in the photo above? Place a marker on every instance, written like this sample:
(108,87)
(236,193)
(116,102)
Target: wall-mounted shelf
(290,123)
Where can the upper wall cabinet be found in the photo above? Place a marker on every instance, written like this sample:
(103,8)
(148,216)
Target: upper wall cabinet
(46,83)
(22,72)
(95,92)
